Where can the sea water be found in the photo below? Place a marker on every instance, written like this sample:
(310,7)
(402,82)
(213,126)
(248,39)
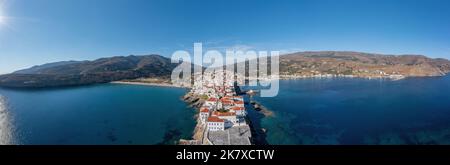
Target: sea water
(359,111)
(98,114)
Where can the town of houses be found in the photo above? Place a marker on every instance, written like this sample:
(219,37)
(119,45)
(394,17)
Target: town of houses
(223,108)
(222,117)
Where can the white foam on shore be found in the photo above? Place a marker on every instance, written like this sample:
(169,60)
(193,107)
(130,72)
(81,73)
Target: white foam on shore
(5,124)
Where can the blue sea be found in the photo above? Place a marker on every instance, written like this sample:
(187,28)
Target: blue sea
(98,114)
(359,111)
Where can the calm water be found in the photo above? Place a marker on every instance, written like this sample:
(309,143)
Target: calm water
(101,114)
(360,111)
(307,111)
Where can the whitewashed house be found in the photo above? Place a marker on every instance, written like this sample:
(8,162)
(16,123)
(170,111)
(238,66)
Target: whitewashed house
(211,102)
(240,111)
(204,114)
(230,118)
(215,124)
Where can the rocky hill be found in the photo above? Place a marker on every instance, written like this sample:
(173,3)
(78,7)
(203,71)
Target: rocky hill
(305,64)
(89,72)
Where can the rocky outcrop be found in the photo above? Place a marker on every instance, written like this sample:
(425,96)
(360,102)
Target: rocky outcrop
(193,100)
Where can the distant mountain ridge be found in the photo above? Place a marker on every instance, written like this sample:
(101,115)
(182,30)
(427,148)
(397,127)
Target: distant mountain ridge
(36,69)
(301,64)
(143,64)
(361,64)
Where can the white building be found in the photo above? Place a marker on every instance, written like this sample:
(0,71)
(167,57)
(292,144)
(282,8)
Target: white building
(230,118)
(240,111)
(204,114)
(211,102)
(239,104)
(215,124)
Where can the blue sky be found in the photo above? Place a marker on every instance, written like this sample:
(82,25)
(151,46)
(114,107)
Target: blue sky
(40,31)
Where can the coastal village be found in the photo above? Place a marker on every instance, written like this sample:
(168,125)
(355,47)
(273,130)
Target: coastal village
(222,118)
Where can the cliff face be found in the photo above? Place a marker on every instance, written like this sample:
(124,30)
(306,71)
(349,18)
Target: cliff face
(361,64)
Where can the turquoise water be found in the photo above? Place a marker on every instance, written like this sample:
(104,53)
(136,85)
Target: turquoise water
(100,114)
(359,111)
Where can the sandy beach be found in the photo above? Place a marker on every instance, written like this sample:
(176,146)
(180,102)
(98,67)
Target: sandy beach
(147,84)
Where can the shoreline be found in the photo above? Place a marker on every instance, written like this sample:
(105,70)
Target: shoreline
(387,77)
(147,84)
(390,77)
(197,138)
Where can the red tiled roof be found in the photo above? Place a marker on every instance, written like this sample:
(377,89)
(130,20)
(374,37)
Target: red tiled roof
(239,102)
(212,99)
(227,97)
(238,108)
(204,109)
(217,113)
(215,119)
(227,102)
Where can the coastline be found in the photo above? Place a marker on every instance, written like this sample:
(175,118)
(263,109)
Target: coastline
(148,84)
(198,134)
(389,77)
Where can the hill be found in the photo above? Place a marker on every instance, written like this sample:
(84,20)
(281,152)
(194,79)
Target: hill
(305,64)
(102,70)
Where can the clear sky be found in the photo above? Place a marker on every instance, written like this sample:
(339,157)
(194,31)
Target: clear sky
(40,31)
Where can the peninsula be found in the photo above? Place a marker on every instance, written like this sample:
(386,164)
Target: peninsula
(222,117)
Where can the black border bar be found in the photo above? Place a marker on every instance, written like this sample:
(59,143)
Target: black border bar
(150,153)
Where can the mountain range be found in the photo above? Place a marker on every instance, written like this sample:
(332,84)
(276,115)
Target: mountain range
(303,64)
(361,64)
(69,73)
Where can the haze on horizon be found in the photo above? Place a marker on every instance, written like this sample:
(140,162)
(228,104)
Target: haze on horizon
(41,31)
